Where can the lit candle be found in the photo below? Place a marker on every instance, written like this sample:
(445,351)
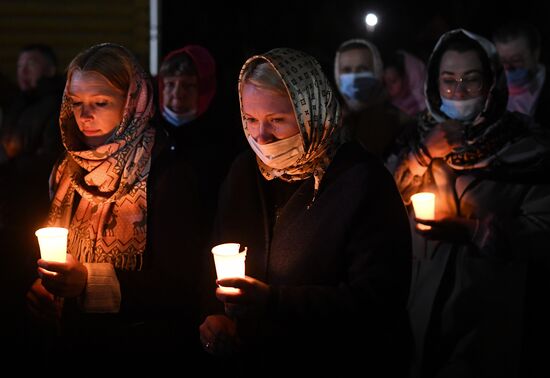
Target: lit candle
(424,207)
(229,262)
(53,243)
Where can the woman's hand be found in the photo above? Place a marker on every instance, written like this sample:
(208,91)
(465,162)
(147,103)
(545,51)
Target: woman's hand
(218,335)
(41,303)
(249,301)
(450,229)
(444,138)
(63,279)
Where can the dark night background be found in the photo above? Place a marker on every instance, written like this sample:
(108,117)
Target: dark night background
(235,30)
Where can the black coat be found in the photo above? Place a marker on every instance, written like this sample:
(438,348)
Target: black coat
(159,315)
(339,270)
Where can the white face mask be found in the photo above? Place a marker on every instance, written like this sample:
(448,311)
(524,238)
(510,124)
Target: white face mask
(280,154)
(462,110)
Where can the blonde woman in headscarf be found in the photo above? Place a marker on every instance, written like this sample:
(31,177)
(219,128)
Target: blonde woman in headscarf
(130,268)
(328,258)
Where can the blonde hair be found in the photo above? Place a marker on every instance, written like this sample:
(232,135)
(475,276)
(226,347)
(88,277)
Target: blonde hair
(262,74)
(112,61)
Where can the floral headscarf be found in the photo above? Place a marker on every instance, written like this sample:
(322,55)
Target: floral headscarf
(316,108)
(109,222)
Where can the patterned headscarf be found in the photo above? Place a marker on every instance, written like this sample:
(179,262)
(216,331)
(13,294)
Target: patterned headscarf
(316,108)
(109,222)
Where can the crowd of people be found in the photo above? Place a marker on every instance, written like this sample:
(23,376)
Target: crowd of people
(341,274)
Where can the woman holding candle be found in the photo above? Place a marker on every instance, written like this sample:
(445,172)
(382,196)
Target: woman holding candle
(328,243)
(485,255)
(130,272)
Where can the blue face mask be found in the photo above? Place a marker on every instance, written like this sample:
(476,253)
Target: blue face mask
(518,77)
(176,119)
(462,110)
(359,86)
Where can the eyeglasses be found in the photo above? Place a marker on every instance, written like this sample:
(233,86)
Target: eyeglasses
(471,84)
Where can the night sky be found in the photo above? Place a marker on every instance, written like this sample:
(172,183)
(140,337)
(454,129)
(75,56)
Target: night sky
(235,30)
(319,26)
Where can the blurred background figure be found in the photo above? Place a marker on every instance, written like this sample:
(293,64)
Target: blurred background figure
(404,78)
(188,110)
(29,134)
(8,90)
(368,115)
(519,47)
(29,145)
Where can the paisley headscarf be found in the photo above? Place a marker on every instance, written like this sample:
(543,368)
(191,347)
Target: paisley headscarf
(108,223)
(316,109)
(492,128)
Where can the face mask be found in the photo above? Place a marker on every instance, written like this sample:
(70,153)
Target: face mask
(518,77)
(462,110)
(280,154)
(178,119)
(360,86)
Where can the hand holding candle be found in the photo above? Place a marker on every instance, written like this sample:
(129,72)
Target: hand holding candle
(424,207)
(229,262)
(53,243)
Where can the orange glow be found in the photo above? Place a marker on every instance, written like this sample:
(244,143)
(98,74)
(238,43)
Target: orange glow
(53,243)
(424,207)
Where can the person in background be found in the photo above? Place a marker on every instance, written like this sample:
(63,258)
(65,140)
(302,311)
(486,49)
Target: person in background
(481,268)
(29,137)
(29,145)
(404,78)
(29,127)
(128,287)
(519,47)
(328,261)
(369,117)
(189,113)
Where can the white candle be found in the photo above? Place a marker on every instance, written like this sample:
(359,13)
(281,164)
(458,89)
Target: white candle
(53,243)
(424,207)
(229,262)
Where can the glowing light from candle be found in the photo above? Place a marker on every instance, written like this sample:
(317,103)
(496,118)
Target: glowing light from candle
(53,243)
(229,262)
(424,207)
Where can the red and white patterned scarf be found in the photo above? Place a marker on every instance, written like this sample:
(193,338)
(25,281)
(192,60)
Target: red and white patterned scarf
(108,224)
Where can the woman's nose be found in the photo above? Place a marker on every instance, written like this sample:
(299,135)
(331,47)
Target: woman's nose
(265,134)
(85,112)
(460,91)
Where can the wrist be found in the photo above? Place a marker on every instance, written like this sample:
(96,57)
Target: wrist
(422,155)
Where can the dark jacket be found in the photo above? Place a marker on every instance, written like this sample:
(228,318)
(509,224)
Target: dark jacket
(159,309)
(339,270)
(32,120)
